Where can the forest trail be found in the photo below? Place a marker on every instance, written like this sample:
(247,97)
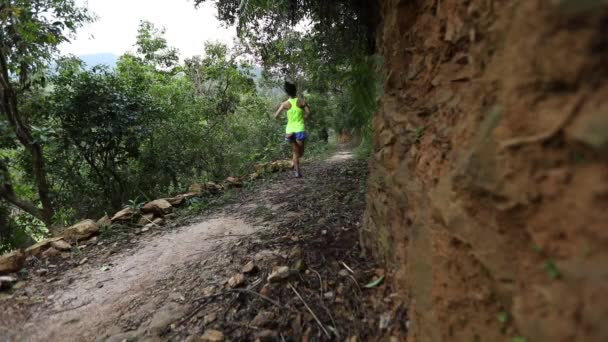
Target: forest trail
(172,284)
(100,296)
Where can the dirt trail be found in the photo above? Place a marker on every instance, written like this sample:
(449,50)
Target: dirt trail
(80,311)
(171,284)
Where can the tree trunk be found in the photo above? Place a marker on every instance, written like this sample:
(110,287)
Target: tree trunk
(8,194)
(8,105)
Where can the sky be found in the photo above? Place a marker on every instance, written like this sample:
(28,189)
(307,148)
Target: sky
(115,29)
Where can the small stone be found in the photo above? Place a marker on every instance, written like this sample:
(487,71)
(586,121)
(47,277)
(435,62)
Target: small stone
(49,253)
(160,207)
(296,252)
(299,266)
(278,274)
(343,273)
(177,297)
(213,188)
(12,262)
(265,255)
(234,182)
(250,267)
(124,215)
(265,290)
(61,245)
(81,231)
(165,316)
(212,336)
(145,219)
(38,248)
(266,335)
(42,272)
(196,189)
(263,319)
(236,280)
(210,318)
(7,282)
(209,290)
(329,295)
(104,221)
(591,126)
(385,320)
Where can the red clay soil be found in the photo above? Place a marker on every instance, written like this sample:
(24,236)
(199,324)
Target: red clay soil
(489,179)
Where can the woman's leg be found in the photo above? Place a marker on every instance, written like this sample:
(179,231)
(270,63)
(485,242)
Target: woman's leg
(296,156)
(301,144)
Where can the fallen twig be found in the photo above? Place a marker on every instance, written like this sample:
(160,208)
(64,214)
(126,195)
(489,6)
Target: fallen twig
(200,306)
(347,268)
(322,288)
(277,304)
(310,310)
(356,283)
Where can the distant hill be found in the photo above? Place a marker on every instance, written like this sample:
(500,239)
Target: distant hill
(92,60)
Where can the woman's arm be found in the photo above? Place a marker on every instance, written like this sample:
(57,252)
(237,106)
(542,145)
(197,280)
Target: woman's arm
(281,109)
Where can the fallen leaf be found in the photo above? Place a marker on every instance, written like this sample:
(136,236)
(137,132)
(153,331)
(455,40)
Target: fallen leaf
(375,283)
(250,267)
(279,273)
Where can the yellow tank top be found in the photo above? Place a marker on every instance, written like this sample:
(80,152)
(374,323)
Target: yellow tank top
(295,118)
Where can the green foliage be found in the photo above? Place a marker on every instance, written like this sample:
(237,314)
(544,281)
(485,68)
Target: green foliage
(31,30)
(551,268)
(18,230)
(322,46)
(153,46)
(153,125)
(503,317)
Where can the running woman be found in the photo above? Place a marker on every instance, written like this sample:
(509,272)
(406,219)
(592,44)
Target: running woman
(295,132)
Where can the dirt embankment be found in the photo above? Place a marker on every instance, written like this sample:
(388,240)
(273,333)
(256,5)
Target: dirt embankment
(489,182)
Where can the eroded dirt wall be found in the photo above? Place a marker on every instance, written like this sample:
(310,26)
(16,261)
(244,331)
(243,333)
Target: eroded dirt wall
(489,183)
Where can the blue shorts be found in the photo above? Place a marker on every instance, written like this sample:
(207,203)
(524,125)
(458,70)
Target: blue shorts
(300,136)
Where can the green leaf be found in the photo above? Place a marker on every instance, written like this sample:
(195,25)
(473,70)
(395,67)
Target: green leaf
(518,339)
(503,317)
(375,283)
